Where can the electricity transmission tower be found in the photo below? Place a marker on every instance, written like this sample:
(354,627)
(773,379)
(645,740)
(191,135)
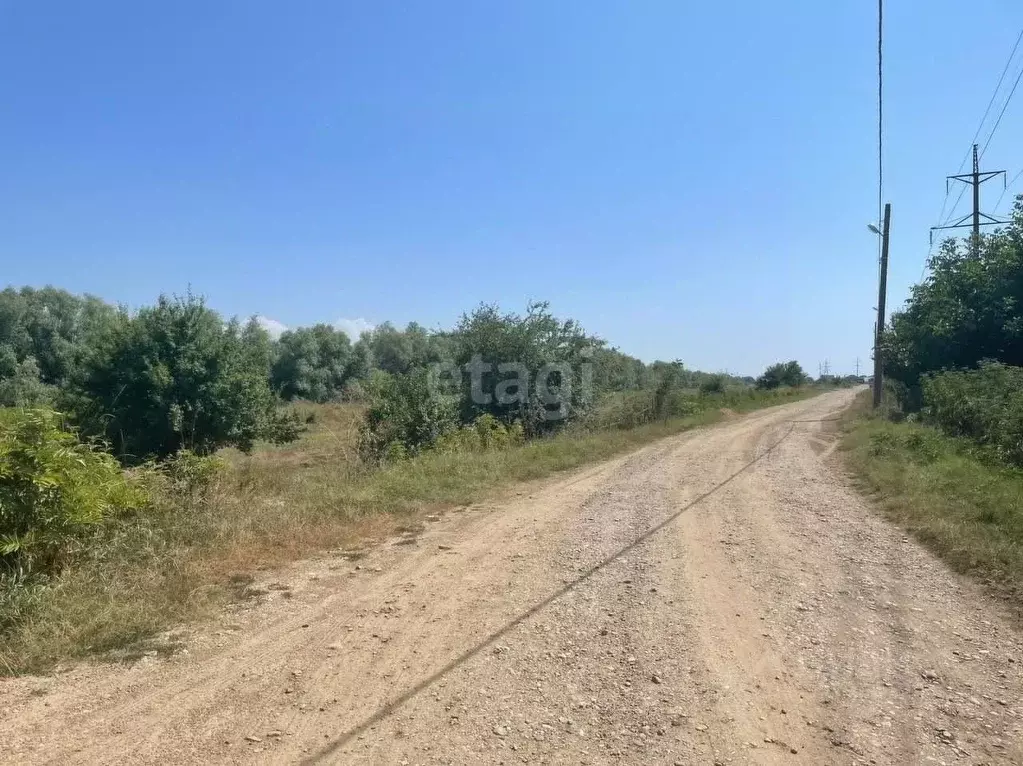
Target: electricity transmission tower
(974,179)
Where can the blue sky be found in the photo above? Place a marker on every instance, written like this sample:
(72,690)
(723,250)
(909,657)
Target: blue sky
(689,180)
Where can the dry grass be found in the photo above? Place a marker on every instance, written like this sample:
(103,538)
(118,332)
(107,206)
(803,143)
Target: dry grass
(965,508)
(193,551)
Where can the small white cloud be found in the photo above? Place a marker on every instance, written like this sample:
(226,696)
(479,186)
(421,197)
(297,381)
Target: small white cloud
(353,328)
(272,326)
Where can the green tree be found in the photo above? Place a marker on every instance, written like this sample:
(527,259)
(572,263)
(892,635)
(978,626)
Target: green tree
(176,376)
(615,371)
(533,368)
(713,384)
(362,359)
(969,308)
(313,363)
(398,352)
(782,374)
(672,378)
(45,333)
(20,383)
(392,349)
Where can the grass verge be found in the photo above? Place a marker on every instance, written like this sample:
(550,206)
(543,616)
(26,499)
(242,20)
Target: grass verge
(965,507)
(197,548)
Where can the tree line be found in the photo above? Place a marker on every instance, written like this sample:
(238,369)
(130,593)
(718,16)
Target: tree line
(954,352)
(177,375)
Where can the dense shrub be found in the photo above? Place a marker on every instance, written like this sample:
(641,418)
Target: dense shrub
(20,384)
(191,475)
(485,433)
(615,371)
(399,352)
(715,384)
(531,368)
(406,415)
(53,488)
(782,374)
(313,363)
(175,376)
(970,308)
(620,411)
(984,405)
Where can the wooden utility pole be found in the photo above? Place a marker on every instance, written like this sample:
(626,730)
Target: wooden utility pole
(882,293)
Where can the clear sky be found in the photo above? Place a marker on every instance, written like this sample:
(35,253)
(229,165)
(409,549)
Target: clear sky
(689,180)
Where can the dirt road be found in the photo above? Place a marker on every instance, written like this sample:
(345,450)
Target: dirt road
(718,597)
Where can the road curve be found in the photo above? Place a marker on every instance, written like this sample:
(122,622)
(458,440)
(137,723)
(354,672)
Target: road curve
(718,597)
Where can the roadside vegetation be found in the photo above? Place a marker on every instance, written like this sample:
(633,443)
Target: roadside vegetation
(944,455)
(152,462)
(964,505)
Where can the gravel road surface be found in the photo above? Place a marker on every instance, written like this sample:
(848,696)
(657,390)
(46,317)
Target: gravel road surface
(721,597)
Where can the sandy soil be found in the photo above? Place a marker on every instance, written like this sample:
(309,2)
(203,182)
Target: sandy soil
(718,597)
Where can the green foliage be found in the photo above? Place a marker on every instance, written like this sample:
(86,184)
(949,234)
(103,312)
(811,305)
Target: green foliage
(400,352)
(666,399)
(20,384)
(840,381)
(20,599)
(967,509)
(406,415)
(44,336)
(485,433)
(53,489)
(392,350)
(715,384)
(313,363)
(498,366)
(413,408)
(361,363)
(173,377)
(529,369)
(956,350)
(193,474)
(984,405)
(282,426)
(969,308)
(782,374)
(621,410)
(176,377)
(615,371)
(142,573)
(354,391)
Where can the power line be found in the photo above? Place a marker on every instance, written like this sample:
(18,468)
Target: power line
(1008,186)
(880,116)
(980,127)
(1002,113)
(959,199)
(987,111)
